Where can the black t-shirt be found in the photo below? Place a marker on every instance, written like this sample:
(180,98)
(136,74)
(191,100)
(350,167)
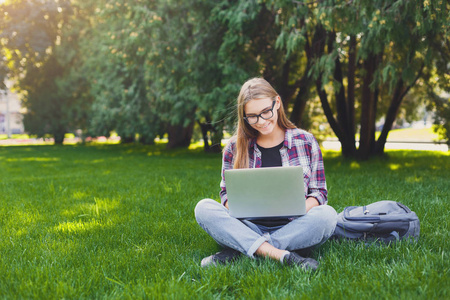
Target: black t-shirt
(271,157)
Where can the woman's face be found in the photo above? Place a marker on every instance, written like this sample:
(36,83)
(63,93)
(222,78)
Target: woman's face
(262,114)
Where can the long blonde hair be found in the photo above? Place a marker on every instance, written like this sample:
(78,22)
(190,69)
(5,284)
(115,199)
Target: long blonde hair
(255,88)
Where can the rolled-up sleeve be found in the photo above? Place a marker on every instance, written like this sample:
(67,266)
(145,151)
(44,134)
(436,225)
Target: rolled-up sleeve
(227,163)
(317,187)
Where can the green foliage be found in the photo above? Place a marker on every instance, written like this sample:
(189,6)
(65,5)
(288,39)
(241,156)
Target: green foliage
(150,67)
(93,222)
(435,91)
(48,110)
(395,44)
(40,55)
(27,32)
(442,120)
(118,71)
(156,67)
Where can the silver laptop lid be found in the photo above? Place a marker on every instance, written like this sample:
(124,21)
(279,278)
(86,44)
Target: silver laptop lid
(266,192)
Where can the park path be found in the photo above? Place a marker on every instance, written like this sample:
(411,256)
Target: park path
(399,145)
(329,144)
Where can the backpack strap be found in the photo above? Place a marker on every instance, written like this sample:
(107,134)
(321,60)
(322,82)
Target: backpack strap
(396,235)
(364,218)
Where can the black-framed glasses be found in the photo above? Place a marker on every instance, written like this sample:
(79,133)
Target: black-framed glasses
(266,114)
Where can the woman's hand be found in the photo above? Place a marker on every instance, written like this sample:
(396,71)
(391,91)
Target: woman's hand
(310,203)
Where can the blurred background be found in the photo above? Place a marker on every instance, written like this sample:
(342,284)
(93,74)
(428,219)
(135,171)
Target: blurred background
(144,71)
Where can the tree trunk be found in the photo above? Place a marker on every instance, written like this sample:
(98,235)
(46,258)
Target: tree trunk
(372,124)
(58,136)
(348,135)
(126,139)
(328,112)
(397,98)
(341,103)
(390,118)
(351,87)
(368,102)
(179,136)
(300,100)
(204,128)
(283,87)
(343,131)
(147,139)
(216,140)
(216,137)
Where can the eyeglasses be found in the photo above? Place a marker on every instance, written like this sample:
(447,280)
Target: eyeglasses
(267,114)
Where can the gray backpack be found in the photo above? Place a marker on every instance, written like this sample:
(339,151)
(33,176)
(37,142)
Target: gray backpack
(384,221)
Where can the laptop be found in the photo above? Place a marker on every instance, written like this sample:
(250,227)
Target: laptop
(266,192)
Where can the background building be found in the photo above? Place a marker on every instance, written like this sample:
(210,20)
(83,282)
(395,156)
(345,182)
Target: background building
(10,112)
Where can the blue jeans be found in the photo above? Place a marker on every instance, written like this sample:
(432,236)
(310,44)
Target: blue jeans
(306,232)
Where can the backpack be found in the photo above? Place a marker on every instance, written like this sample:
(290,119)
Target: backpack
(383,221)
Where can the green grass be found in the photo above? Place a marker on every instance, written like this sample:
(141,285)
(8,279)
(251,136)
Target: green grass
(115,221)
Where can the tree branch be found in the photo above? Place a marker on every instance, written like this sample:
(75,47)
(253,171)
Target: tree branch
(328,112)
(399,93)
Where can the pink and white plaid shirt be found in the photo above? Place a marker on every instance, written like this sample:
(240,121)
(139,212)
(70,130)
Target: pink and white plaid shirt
(300,148)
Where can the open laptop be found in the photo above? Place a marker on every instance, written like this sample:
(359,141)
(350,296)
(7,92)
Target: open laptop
(266,192)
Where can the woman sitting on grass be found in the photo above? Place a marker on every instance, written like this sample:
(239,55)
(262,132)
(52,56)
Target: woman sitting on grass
(266,138)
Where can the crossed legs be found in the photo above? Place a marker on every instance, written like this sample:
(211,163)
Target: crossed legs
(305,232)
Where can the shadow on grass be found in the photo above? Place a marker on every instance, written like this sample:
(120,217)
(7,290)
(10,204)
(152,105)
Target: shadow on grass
(83,192)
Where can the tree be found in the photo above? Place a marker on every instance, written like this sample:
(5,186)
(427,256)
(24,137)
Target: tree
(434,89)
(172,39)
(366,54)
(176,53)
(120,41)
(156,67)
(442,108)
(27,30)
(248,48)
(29,35)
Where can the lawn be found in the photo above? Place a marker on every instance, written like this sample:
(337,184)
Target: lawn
(115,221)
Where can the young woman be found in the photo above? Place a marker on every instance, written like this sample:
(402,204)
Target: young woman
(266,138)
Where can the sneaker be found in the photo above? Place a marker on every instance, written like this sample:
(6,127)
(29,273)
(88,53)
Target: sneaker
(307,252)
(293,259)
(225,256)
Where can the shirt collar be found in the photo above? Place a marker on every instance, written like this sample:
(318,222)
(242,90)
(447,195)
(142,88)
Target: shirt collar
(288,138)
(252,144)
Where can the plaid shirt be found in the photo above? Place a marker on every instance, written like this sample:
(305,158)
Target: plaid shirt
(300,148)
